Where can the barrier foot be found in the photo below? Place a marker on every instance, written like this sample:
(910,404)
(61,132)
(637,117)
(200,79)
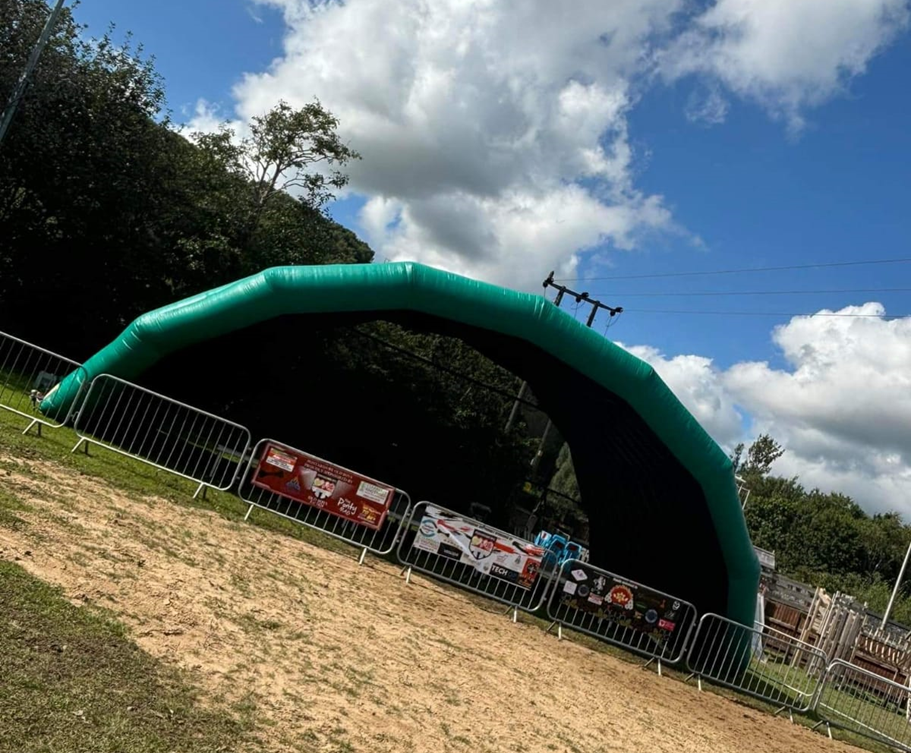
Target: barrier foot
(200,488)
(362,557)
(550,627)
(652,661)
(785,708)
(515,615)
(559,631)
(81,443)
(249,510)
(29,427)
(408,576)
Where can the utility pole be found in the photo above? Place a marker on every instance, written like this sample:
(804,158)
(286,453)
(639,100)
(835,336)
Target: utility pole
(898,582)
(562,290)
(19,90)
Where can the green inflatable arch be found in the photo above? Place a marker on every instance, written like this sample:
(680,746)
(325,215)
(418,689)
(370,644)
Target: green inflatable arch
(659,492)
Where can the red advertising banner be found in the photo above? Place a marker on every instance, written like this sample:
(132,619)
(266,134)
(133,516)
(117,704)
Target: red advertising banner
(311,481)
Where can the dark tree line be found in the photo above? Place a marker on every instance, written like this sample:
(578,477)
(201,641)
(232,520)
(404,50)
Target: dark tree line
(108,211)
(825,539)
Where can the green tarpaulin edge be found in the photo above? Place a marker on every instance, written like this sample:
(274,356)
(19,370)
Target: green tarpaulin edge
(409,286)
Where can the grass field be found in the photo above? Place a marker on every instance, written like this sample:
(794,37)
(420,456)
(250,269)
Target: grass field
(28,463)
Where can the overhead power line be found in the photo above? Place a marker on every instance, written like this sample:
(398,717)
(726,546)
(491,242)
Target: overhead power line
(445,369)
(767,313)
(820,265)
(759,292)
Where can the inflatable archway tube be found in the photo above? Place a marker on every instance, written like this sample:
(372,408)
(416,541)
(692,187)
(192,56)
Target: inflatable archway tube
(645,466)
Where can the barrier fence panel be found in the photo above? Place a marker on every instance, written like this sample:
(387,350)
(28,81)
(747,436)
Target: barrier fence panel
(620,611)
(865,703)
(758,661)
(451,547)
(332,499)
(167,434)
(27,374)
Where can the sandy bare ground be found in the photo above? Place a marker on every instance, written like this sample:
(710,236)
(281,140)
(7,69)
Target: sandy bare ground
(336,657)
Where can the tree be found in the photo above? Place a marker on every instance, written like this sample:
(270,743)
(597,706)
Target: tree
(763,452)
(107,212)
(564,478)
(280,154)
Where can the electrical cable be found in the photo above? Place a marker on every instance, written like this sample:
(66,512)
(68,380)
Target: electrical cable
(766,313)
(820,265)
(452,372)
(755,292)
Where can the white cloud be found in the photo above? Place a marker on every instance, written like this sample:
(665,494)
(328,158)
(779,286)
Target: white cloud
(841,408)
(251,11)
(698,384)
(206,118)
(495,132)
(785,54)
(707,106)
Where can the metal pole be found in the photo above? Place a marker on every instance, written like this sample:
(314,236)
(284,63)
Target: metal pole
(898,582)
(515,406)
(540,453)
(10,110)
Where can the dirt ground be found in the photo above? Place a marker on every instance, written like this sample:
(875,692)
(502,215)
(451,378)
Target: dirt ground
(329,656)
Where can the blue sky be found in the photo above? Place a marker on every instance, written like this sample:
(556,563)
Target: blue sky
(755,195)
(781,139)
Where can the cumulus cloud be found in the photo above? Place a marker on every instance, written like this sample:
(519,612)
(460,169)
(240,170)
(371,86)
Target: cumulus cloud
(206,118)
(699,385)
(495,134)
(786,55)
(841,407)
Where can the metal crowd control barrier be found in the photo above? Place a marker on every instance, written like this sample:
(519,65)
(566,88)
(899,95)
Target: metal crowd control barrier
(380,541)
(467,553)
(27,374)
(167,434)
(865,703)
(759,661)
(620,611)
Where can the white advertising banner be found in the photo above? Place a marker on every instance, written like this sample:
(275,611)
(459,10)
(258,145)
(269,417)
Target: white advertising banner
(488,551)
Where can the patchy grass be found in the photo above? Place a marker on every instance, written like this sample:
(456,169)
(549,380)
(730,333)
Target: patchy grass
(72,680)
(10,504)
(136,478)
